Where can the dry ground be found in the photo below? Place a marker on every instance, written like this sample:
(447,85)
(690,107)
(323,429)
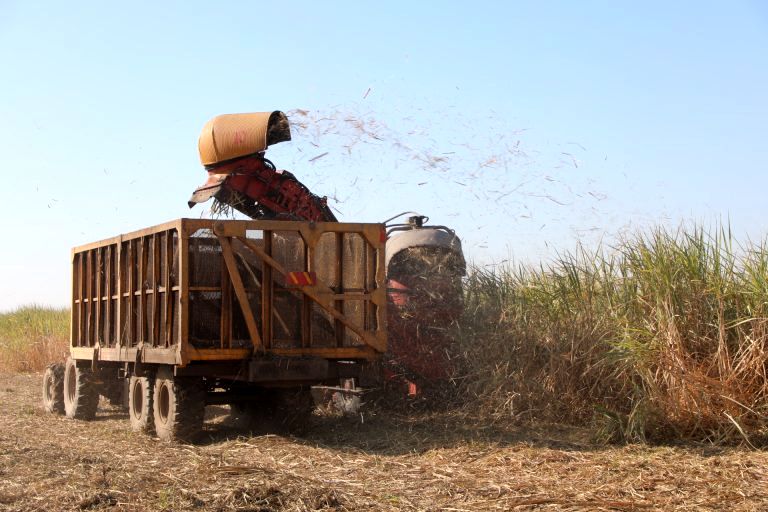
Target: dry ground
(387,462)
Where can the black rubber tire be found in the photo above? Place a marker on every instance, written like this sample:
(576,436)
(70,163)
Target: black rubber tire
(140,403)
(81,394)
(179,406)
(53,388)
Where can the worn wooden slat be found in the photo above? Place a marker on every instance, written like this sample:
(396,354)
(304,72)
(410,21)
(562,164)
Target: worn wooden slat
(99,276)
(132,338)
(156,258)
(108,305)
(338,326)
(168,290)
(76,340)
(130,236)
(367,275)
(143,263)
(149,354)
(119,294)
(89,307)
(306,303)
(370,231)
(225,324)
(183,303)
(217,354)
(267,295)
(74,324)
(240,293)
(84,298)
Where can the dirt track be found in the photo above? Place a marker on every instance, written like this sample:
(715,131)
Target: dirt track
(386,463)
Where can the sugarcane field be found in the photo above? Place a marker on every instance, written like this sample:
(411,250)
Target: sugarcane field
(465,257)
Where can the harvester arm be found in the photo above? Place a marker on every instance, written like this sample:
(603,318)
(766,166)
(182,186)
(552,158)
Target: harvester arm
(253,186)
(232,150)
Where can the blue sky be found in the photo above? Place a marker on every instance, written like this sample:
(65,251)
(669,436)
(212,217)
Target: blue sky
(526,126)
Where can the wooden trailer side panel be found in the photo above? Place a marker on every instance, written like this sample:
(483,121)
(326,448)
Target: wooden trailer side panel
(126,297)
(197,289)
(242,299)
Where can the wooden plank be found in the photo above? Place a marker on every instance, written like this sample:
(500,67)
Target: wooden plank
(132,341)
(73,321)
(119,304)
(338,326)
(108,305)
(370,231)
(168,290)
(267,295)
(379,296)
(240,293)
(130,236)
(89,307)
(318,294)
(84,286)
(81,353)
(367,275)
(156,258)
(142,323)
(218,354)
(99,272)
(225,323)
(238,227)
(77,273)
(83,297)
(183,302)
(149,354)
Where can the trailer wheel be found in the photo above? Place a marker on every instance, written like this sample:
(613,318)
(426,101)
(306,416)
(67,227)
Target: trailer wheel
(81,395)
(53,388)
(179,406)
(140,406)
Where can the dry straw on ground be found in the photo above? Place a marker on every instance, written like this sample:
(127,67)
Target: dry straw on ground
(388,462)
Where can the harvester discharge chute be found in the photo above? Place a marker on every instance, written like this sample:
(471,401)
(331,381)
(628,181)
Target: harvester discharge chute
(232,150)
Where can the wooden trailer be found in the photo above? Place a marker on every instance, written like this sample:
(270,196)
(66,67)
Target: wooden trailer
(196,312)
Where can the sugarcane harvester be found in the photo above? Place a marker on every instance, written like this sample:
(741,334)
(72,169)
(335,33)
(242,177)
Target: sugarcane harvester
(424,263)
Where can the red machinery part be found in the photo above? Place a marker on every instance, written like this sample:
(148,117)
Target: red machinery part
(253,185)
